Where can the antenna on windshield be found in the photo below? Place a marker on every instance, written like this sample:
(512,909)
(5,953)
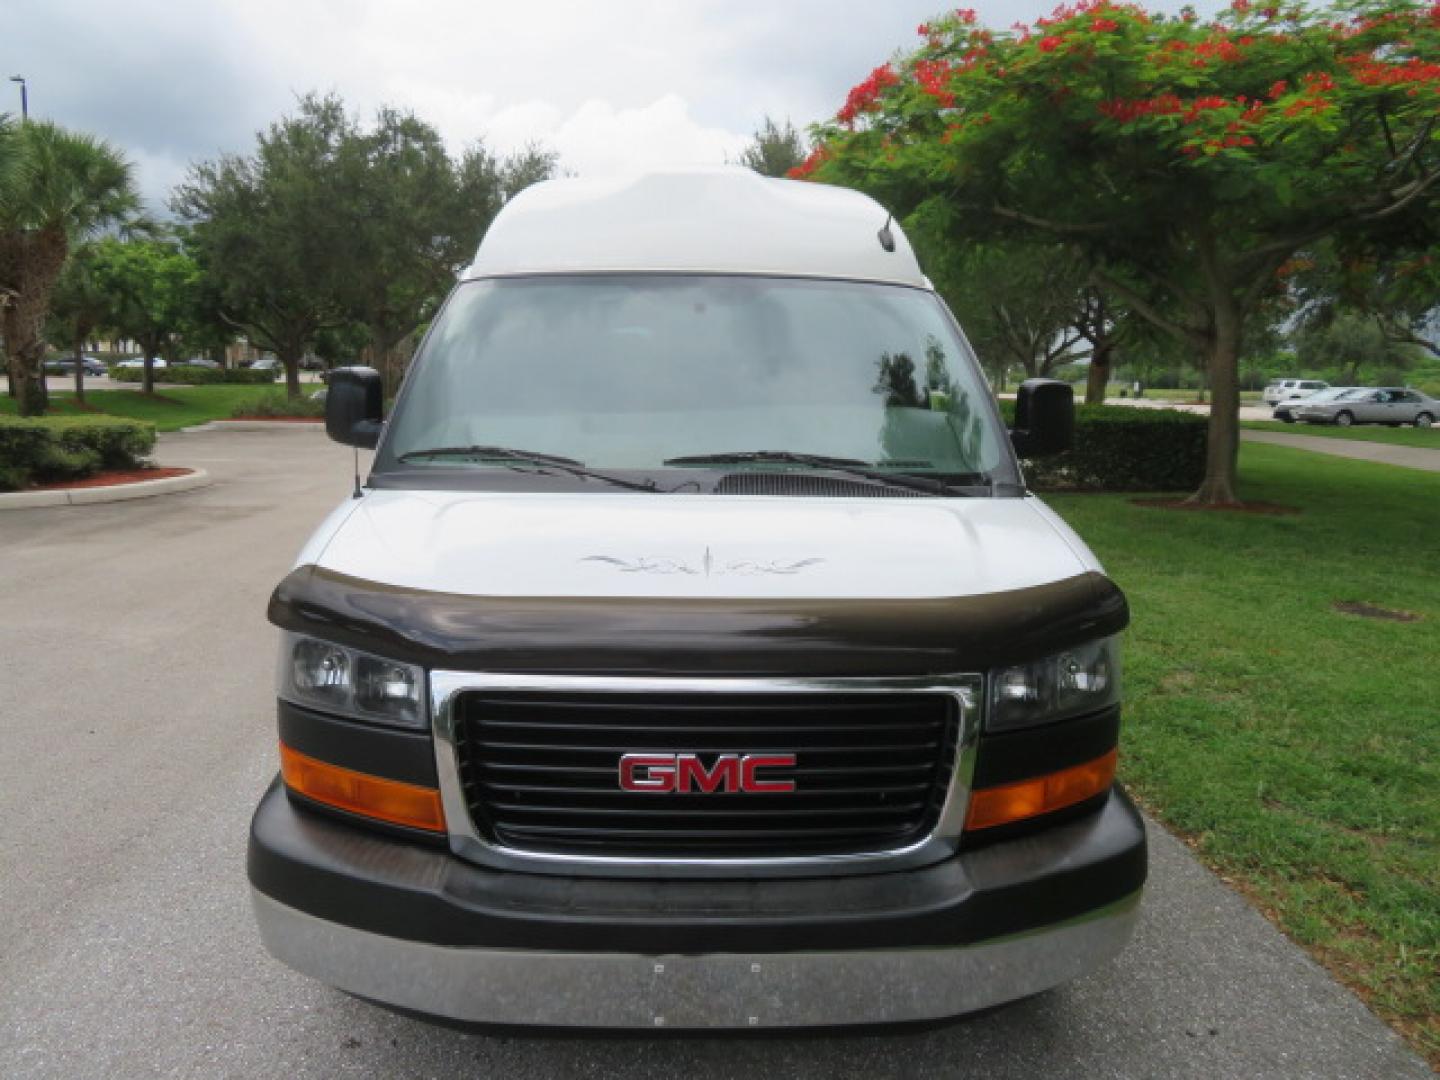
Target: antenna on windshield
(887,238)
(358,494)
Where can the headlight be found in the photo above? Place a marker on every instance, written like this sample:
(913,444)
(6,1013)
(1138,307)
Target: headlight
(337,679)
(1076,681)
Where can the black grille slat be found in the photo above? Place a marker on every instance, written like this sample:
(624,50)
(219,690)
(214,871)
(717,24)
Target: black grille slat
(809,793)
(601,834)
(716,812)
(738,729)
(646,746)
(540,770)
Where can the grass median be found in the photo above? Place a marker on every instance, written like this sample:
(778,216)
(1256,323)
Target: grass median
(1292,744)
(169,409)
(1428,438)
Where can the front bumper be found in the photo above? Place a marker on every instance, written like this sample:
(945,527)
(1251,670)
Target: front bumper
(417,928)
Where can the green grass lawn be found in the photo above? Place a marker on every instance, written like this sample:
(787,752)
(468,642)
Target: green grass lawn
(1402,436)
(1295,747)
(169,409)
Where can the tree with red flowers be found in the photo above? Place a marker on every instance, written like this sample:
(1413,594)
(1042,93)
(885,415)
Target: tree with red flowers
(1188,161)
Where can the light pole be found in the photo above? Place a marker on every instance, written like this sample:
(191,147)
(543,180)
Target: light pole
(24,96)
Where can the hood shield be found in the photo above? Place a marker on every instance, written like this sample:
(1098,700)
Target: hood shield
(699,636)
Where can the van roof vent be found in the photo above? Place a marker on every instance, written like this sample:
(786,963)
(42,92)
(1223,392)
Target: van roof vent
(807,484)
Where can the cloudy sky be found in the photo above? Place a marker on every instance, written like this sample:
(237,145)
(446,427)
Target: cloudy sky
(613,85)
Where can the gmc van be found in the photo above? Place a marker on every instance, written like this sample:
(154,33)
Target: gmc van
(694,655)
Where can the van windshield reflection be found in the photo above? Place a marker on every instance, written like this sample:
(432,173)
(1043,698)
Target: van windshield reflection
(661,373)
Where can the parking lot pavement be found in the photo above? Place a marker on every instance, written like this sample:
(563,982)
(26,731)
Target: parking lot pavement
(136,733)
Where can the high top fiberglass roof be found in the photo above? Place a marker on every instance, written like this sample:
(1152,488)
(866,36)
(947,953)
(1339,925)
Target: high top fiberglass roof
(726,220)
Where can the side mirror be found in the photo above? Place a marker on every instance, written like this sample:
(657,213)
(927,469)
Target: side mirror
(1044,418)
(355,406)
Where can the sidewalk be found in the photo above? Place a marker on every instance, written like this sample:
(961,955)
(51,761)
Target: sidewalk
(1411,457)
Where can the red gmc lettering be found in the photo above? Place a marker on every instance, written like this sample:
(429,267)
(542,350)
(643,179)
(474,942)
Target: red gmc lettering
(686,774)
(647,772)
(749,781)
(724,776)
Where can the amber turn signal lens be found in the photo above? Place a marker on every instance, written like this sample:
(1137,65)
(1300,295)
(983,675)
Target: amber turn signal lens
(1027,798)
(360,793)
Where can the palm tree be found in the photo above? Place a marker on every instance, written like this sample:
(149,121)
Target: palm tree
(59,188)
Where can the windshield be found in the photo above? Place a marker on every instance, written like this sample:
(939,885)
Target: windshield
(632,372)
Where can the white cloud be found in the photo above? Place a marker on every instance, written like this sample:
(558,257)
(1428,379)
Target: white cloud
(599,139)
(611,86)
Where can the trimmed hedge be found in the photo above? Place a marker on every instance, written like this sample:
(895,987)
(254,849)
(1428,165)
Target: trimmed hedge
(1120,448)
(44,449)
(279,403)
(193,375)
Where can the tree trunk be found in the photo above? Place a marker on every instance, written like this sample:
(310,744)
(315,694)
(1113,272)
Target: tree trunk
(25,353)
(37,260)
(79,369)
(1223,443)
(291,360)
(1101,356)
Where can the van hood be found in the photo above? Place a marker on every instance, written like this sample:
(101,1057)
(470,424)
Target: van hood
(685,585)
(699,546)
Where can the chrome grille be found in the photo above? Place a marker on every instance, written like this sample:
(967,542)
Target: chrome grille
(540,771)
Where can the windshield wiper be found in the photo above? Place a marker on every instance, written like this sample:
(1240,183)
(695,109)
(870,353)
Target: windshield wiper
(849,466)
(513,458)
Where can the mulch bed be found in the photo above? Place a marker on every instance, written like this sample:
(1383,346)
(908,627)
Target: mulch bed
(112,478)
(1257,507)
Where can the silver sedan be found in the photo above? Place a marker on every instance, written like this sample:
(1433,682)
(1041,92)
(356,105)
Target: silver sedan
(1392,405)
(1285,410)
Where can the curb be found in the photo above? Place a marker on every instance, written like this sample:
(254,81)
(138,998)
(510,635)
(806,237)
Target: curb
(261,425)
(27,500)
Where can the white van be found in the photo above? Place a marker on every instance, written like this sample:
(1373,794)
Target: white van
(1278,390)
(694,655)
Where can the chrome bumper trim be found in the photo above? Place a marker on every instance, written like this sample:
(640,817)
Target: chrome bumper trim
(466,842)
(765,990)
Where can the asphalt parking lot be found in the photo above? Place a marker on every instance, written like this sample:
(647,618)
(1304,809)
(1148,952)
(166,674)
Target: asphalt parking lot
(136,733)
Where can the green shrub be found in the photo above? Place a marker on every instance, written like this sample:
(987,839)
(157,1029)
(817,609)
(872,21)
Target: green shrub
(1119,448)
(278,403)
(193,375)
(68,447)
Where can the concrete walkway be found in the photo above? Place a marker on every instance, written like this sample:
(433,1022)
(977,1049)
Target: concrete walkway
(1411,457)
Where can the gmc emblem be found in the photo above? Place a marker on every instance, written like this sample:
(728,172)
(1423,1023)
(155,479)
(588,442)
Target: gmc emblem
(686,773)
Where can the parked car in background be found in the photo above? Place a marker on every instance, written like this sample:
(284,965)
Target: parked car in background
(201,361)
(266,363)
(1392,405)
(66,366)
(138,362)
(1286,409)
(1280,390)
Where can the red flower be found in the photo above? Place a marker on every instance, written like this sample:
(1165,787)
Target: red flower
(1051,43)
(1101,26)
(932,76)
(817,157)
(1278,89)
(866,97)
(965,15)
